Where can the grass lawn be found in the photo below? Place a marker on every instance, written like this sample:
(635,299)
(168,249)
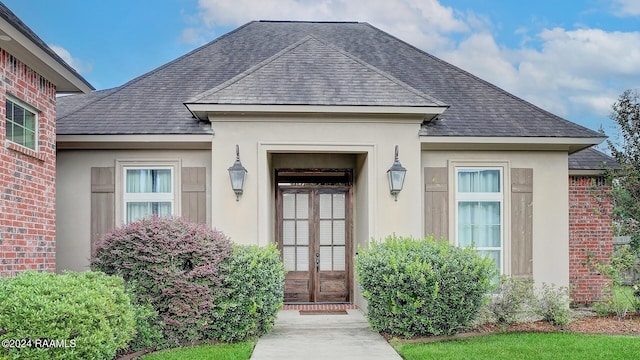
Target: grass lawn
(237,351)
(527,346)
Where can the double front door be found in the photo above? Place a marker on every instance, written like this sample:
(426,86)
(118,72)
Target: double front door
(314,237)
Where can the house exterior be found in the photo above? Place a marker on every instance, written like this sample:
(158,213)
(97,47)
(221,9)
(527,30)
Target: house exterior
(31,75)
(317,112)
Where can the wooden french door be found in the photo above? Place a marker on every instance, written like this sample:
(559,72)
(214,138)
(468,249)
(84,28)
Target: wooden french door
(314,237)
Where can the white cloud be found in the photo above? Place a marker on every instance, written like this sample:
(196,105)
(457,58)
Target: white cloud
(624,8)
(78,65)
(571,72)
(423,23)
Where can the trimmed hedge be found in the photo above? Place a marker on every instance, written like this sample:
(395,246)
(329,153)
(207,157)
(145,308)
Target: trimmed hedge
(422,287)
(70,316)
(254,290)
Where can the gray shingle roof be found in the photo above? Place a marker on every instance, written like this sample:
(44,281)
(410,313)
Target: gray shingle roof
(591,159)
(295,76)
(154,102)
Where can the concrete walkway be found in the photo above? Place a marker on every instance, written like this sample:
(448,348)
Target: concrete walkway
(310,337)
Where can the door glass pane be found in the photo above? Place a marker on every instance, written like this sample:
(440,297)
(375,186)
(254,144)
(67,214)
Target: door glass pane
(325,206)
(288,206)
(339,258)
(302,206)
(302,258)
(478,181)
(338,232)
(289,258)
(338,206)
(302,232)
(325,232)
(325,258)
(289,232)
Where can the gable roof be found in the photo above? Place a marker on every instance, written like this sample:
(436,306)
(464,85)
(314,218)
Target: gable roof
(35,53)
(295,76)
(340,58)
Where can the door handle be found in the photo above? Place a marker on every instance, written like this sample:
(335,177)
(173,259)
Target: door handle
(317,262)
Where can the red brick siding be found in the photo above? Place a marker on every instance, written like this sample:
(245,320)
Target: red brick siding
(590,236)
(27,177)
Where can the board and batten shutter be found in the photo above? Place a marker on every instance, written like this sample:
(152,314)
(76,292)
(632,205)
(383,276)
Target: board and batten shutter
(436,202)
(102,202)
(522,223)
(194,194)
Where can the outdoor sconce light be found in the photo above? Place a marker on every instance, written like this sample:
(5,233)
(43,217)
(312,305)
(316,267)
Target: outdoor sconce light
(237,173)
(396,175)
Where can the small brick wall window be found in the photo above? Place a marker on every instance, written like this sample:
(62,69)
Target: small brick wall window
(22,125)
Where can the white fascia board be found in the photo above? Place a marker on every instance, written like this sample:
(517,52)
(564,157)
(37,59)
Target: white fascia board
(202,111)
(569,144)
(170,141)
(41,62)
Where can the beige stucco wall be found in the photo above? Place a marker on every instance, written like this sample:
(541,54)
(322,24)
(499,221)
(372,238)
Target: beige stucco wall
(377,212)
(550,203)
(365,145)
(73,203)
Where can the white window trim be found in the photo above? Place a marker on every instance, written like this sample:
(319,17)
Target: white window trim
(504,197)
(123,198)
(36,125)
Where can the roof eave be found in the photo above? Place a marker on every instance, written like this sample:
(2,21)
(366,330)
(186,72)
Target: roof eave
(134,141)
(54,69)
(204,111)
(569,144)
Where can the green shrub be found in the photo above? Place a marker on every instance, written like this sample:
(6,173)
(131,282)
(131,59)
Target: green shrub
(148,328)
(87,314)
(172,264)
(507,305)
(553,305)
(422,287)
(254,289)
(619,302)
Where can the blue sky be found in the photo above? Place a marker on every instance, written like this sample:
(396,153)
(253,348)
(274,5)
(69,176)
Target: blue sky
(570,57)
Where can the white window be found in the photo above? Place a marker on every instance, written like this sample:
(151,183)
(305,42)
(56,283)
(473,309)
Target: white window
(21,124)
(479,211)
(148,191)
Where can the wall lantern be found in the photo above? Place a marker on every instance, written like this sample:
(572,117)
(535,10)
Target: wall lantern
(396,175)
(237,173)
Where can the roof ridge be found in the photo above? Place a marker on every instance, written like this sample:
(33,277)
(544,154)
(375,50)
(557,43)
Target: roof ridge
(386,75)
(153,71)
(300,42)
(310,21)
(468,74)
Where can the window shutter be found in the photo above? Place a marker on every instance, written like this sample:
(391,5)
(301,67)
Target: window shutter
(194,194)
(522,223)
(102,202)
(436,202)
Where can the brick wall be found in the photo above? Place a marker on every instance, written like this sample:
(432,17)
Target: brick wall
(590,236)
(27,177)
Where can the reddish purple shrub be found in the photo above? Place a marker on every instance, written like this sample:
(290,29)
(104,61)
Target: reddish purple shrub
(172,264)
